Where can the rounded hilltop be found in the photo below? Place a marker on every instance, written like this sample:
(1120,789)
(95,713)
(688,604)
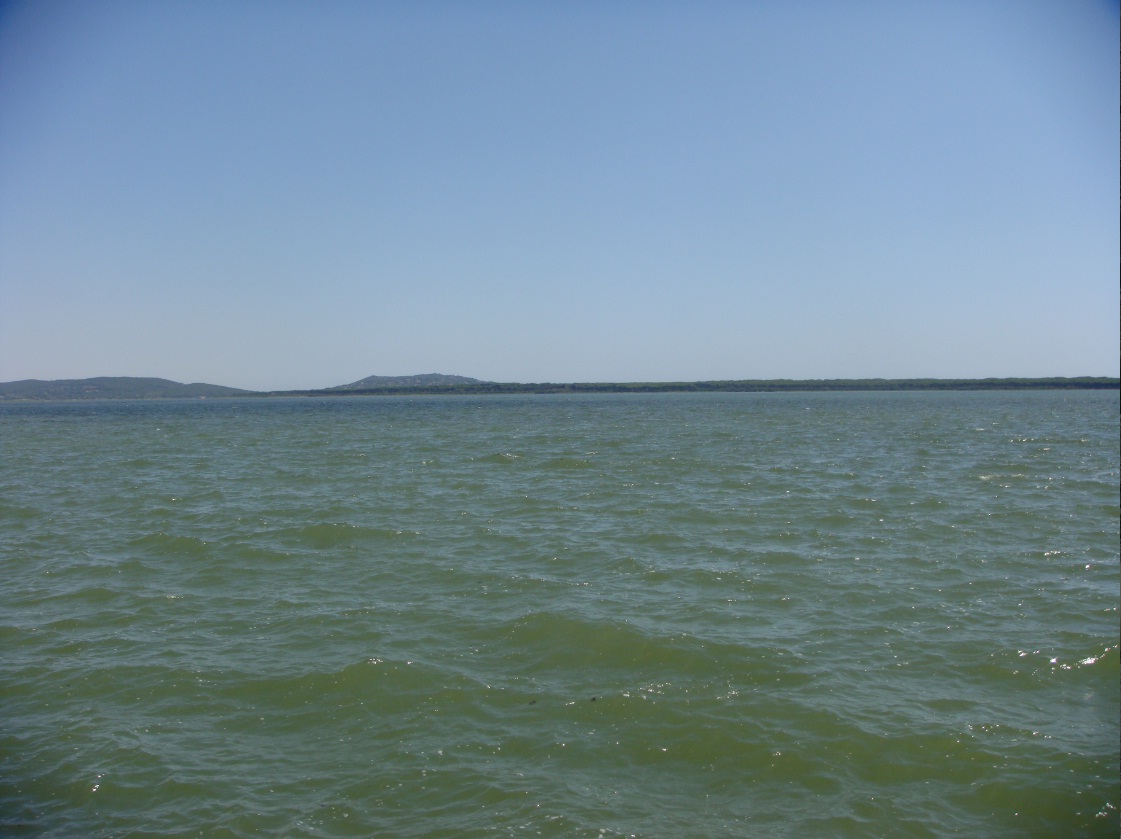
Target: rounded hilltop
(420,380)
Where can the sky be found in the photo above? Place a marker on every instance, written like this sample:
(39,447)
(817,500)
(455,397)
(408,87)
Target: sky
(286,194)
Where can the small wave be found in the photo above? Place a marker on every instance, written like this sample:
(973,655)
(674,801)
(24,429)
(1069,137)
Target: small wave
(503,458)
(12,514)
(566,463)
(168,544)
(327,535)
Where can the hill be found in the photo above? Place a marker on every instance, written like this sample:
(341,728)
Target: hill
(421,380)
(112,387)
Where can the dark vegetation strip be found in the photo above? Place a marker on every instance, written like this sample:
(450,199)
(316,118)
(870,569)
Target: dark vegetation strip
(139,388)
(738,386)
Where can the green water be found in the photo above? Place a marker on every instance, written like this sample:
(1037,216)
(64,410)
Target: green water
(722,615)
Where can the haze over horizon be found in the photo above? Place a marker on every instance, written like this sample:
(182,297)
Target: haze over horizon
(298,195)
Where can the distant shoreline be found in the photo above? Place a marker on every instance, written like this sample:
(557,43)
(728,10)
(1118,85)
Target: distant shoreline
(735,386)
(124,387)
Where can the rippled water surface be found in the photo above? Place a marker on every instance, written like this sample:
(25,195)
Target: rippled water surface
(720,615)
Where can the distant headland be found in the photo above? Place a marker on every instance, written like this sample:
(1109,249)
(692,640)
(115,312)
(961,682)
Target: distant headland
(129,387)
(112,387)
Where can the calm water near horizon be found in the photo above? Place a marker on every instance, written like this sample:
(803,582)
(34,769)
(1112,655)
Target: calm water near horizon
(679,615)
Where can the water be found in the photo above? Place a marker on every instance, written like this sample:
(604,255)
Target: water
(721,615)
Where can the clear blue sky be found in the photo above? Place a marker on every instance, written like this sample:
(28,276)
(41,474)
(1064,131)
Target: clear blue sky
(299,194)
